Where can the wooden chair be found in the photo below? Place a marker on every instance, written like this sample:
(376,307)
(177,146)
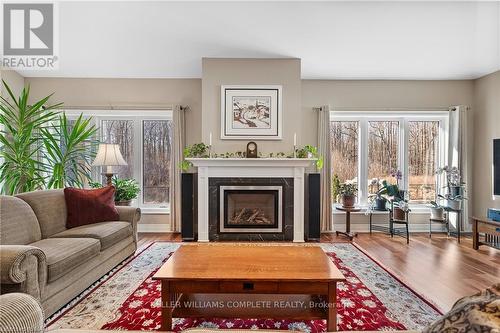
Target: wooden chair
(399,231)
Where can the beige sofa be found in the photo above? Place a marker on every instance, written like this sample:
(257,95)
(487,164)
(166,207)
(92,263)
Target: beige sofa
(41,257)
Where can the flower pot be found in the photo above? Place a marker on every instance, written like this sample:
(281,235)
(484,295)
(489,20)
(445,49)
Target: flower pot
(437,213)
(380,203)
(348,200)
(454,204)
(398,214)
(455,191)
(123,203)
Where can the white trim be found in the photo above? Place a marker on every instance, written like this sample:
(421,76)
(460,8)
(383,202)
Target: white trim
(149,227)
(137,117)
(403,117)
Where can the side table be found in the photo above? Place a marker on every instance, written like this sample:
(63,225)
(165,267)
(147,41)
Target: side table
(347,211)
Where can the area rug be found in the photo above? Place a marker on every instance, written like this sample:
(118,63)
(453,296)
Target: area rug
(128,299)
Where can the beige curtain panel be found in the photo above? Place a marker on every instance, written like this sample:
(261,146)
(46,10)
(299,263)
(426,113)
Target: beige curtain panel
(176,157)
(324,150)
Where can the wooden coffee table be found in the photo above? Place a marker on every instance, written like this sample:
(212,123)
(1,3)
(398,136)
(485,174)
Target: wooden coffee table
(249,281)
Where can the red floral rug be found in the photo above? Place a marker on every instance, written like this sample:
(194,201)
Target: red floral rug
(128,299)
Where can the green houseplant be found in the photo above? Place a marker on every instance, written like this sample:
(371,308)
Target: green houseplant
(69,150)
(348,192)
(309,151)
(126,190)
(196,150)
(21,141)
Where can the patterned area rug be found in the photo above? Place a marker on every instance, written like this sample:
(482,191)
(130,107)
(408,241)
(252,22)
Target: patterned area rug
(128,299)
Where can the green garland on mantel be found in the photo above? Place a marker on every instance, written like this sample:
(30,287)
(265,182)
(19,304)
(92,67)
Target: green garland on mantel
(201,150)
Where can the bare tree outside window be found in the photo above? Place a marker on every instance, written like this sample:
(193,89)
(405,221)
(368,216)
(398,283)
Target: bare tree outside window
(423,145)
(156,161)
(383,141)
(344,149)
(121,132)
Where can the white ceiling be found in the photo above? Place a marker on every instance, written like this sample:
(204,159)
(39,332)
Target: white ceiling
(335,40)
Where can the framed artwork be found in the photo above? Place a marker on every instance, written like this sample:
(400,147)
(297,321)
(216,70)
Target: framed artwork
(251,112)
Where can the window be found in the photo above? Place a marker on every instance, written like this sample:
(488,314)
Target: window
(370,145)
(344,147)
(423,148)
(383,137)
(145,139)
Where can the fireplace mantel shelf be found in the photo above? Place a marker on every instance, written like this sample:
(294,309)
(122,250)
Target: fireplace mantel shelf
(252,162)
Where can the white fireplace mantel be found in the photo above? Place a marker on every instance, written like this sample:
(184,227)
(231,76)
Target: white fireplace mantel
(251,167)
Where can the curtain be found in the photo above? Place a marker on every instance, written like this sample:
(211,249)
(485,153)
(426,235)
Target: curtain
(176,158)
(324,150)
(457,157)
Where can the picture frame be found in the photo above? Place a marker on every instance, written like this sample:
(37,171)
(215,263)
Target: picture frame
(251,112)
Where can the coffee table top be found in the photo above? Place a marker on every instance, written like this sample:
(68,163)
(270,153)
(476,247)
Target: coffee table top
(249,262)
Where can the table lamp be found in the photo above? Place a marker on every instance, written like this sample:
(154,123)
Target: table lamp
(109,155)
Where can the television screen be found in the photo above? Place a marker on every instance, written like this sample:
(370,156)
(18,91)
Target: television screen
(496,167)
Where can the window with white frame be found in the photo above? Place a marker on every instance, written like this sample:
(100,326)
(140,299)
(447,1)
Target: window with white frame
(368,146)
(145,142)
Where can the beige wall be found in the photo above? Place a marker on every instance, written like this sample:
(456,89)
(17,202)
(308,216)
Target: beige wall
(379,94)
(127,92)
(486,128)
(285,72)
(14,80)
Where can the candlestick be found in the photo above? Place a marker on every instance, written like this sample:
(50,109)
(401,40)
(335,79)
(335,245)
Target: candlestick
(294,139)
(210,139)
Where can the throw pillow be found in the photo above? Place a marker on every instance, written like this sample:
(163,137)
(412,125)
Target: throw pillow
(90,206)
(476,313)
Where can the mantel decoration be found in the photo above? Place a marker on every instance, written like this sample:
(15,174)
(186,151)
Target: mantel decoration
(201,150)
(251,112)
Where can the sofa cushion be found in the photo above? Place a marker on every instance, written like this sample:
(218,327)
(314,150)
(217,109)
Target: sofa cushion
(108,233)
(90,206)
(64,254)
(50,209)
(19,224)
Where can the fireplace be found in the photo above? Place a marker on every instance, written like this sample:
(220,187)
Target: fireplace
(251,209)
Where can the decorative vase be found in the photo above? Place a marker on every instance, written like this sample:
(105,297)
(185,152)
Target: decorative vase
(454,204)
(437,213)
(380,203)
(398,214)
(348,201)
(123,203)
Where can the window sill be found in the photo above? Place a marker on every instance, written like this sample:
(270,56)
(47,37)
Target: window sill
(155,211)
(417,209)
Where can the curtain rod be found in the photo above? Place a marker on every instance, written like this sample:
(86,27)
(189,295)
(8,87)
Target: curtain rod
(439,108)
(118,108)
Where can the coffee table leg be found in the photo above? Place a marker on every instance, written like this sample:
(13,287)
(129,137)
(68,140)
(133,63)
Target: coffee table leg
(331,321)
(166,307)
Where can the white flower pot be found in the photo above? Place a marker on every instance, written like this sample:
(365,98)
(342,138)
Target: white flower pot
(437,213)
(454,204)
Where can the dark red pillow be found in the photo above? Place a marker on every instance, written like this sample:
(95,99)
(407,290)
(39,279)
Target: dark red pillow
(90,206)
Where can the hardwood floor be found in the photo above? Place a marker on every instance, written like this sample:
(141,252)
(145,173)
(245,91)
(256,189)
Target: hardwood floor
(438,268)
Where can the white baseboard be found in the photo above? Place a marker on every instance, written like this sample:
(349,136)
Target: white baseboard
(144,227)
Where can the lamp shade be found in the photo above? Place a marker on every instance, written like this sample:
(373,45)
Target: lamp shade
(109,155)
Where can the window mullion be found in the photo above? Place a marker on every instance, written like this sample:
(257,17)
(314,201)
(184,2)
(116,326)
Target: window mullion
(363,161)
(138,172)
(403,153)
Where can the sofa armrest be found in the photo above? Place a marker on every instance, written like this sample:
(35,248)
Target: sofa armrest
(25,267)
(21,313)
(130,214)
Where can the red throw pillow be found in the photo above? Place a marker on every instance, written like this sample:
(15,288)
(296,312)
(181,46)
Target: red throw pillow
(90,206)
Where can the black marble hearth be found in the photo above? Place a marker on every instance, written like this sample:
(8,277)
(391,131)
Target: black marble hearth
(214,209)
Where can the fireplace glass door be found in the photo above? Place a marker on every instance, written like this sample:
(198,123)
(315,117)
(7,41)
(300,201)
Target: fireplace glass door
(250,209)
